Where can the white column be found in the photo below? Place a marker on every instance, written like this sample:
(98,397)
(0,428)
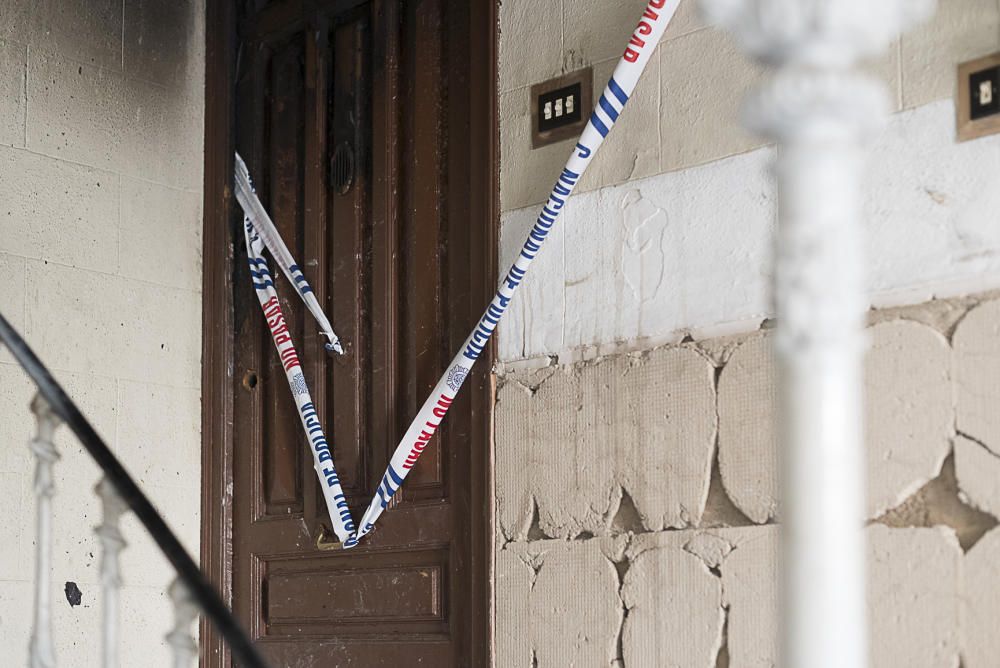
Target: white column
(821,111)
(41,653)
(112,543)
(181,641)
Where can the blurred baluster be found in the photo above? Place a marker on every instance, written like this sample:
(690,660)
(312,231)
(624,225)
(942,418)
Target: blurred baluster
(41,653)
(821,109)
(112,544)
(185,612)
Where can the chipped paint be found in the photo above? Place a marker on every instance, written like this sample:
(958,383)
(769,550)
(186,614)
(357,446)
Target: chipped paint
(643,253)
(713,227)
(601,414)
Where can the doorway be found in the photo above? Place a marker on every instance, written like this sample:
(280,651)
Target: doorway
(370,131)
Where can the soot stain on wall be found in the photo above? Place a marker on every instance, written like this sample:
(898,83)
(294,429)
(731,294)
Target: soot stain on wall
(73,594)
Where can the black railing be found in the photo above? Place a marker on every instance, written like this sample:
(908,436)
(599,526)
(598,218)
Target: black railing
(190,575)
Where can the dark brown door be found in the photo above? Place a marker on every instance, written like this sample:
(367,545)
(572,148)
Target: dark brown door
(355,120)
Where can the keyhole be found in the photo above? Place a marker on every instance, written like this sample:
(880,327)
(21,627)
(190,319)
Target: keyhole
(250,380)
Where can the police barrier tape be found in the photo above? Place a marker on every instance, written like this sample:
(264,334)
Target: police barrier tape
(263,283)
(639,50)
(255,213)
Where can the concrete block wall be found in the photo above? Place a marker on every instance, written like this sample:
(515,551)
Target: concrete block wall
(101,151)
(637,510)
(635,455)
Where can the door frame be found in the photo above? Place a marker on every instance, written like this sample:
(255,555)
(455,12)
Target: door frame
(217,311)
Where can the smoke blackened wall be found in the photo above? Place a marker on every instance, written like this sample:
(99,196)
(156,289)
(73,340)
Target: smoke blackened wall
(101,150)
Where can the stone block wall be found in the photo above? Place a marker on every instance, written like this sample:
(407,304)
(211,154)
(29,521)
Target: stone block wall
(101,151)
(637,509)
(636,491)
(670,231)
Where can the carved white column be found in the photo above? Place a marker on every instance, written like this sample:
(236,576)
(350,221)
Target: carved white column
(41,653)
(821,112)
(112,543)
(181,641)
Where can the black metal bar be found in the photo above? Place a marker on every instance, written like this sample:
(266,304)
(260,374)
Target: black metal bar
(189,573)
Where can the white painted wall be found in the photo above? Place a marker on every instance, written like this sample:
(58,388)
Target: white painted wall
(636,492)
(672,231)
(101,150)
(689,251)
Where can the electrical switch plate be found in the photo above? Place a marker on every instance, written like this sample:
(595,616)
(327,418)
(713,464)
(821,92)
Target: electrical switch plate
(561,107)
(978,104)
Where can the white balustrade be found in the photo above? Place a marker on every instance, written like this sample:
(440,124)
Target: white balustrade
(112,543)
(41,653)
(180,639)
(41,650)
(821,111)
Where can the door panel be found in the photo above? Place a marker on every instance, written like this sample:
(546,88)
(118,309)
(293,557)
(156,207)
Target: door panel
(281,109)
(353,118)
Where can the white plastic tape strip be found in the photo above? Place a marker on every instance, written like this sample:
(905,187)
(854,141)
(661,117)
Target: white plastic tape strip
(260,231)
(263,283)
(616,94)
(255,213)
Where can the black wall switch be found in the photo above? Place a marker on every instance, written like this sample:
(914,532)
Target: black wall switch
(560,107)
(977,106)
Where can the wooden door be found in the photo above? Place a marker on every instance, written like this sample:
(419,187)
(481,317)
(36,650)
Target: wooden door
(357,122)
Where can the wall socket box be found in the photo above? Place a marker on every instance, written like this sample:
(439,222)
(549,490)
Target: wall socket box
(561,107)
(978,104)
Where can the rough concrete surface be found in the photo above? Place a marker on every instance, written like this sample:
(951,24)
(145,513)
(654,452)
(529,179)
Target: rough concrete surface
(674,608)
(619,162)
(622,424)
(977,374)
(573,440)
(566,598)
(914,597)
(13,67)
(942,315)
(909,416)
(939,503)
(527,26)
(744,561)
(980,640)
(693,130)
(514,580)
(590,33)
(648,256)
(748,453)
(914,592)
(978,473)
(704,598)
(750,585)
(668,399)
(86,199)
(960,30)
(550,464)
